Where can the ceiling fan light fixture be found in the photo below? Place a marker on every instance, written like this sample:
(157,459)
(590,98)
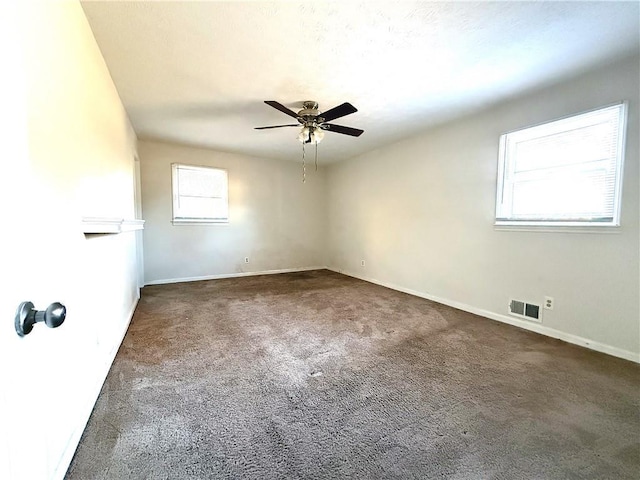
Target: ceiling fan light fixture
(317,135)
(303,136)
(314,122)
(311,134)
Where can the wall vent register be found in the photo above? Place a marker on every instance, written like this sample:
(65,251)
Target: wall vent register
(525,310)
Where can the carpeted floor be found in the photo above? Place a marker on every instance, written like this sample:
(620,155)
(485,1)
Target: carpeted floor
(317,375)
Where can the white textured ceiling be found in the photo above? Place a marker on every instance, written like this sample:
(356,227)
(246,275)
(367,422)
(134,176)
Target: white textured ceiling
(198,72)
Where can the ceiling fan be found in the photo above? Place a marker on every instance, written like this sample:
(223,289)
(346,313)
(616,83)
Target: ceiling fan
(314,123)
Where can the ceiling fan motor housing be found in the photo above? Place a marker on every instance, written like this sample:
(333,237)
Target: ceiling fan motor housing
(309,107)
(309,115)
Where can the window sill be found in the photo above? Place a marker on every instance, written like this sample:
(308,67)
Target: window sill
(200,222)
(556,228)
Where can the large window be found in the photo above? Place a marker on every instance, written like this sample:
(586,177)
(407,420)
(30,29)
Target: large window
(200,194)
(566,172)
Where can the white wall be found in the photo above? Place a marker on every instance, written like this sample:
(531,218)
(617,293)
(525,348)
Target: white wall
(420,212)
(82,150)
(74,158)
(275,219)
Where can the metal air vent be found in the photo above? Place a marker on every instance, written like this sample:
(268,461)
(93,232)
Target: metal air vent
(529,311)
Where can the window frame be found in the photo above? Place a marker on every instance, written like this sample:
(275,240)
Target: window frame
(175,195)
(561,224)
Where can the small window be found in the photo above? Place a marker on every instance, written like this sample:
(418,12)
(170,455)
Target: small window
(566,172)
(200,194)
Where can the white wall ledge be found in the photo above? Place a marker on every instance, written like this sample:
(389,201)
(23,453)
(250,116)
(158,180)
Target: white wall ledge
(110,225)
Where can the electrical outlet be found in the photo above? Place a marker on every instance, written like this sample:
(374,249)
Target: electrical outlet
(246,259)
(548,303)
(362,263)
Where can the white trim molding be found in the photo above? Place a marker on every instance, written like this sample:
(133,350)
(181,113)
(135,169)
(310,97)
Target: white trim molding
(232,275)
(527,325)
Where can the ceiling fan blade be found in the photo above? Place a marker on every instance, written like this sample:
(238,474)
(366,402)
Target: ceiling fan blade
(354,132)
(339,111)
(282,108)
(277,126)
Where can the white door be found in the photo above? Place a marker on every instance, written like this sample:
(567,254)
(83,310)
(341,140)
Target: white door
(43,372)
(41,375)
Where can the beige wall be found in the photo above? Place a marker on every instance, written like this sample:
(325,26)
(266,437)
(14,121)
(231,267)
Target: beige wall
(275,219)
(420,213)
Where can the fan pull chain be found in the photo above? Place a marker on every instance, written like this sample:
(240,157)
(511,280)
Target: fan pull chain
(316,156)
(304,167)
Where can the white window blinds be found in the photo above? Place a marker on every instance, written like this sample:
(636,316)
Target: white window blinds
(200,194)
(565,172)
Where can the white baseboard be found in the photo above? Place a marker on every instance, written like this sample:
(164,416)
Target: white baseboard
(231,275)
(534,327)
(92,397)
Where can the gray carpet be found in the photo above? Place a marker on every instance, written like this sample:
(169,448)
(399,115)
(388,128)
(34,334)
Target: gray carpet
(317,375)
